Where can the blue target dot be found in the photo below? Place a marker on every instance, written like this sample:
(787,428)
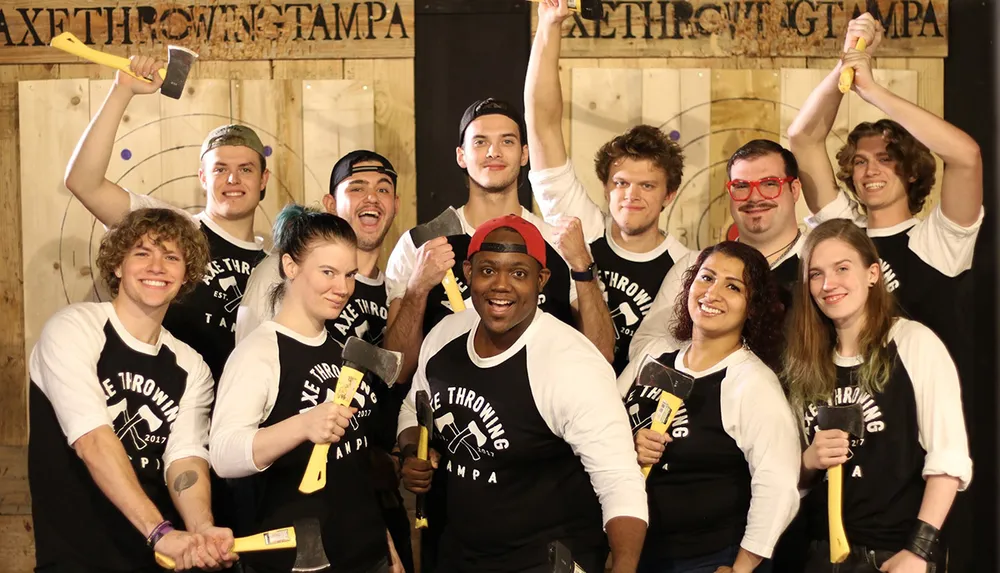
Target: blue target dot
(267,151)
(126,154)
(675,135)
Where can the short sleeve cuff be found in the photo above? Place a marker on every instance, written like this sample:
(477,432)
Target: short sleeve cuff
(625,504)
(949,463)
(547,176)
(938,217)
(84,426)
(407,419)
(840,208)
(763,550)
(187,452)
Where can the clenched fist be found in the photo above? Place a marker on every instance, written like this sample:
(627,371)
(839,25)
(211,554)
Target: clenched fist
(569,243)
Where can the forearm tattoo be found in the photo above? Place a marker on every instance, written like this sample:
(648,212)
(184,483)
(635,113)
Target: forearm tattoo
(185,481)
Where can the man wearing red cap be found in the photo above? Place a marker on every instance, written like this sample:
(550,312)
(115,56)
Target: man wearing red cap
(534,441)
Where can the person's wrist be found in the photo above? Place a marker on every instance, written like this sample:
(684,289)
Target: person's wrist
(923,541)
(159,532)
(583,272)
(407,451)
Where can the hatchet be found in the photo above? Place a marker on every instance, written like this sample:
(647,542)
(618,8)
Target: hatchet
(179,61)
(674,386)
(473,430)
(231,282)
(849,418)
(358,357)
(588,9)
(847,74)
(444,225)
(425,421)
(303,536)
(561,559)
(447,420)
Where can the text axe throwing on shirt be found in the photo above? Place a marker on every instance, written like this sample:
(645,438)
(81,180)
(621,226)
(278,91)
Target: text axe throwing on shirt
(146,420)
(262,29)
(313,394)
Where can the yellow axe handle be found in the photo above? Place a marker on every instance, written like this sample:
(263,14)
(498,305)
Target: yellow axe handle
(839,550)
(454,295)
(315,477)
(423,443)
(847,74)
(67,42)
(283,538)
(664,415)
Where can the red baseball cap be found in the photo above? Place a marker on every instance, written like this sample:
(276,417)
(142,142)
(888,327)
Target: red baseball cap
(534,244)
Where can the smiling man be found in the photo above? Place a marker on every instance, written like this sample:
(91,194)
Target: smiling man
(535,442)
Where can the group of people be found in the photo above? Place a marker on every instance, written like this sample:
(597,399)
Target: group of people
(181,414)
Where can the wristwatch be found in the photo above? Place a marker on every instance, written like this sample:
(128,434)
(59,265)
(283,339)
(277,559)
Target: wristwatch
(584,276)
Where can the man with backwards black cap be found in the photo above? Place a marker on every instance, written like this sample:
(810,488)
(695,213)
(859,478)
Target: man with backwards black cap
(362,192)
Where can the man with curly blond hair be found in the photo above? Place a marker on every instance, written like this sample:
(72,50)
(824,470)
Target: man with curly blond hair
(641,171)
(117,405)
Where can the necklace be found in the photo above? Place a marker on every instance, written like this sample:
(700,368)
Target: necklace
(784,250)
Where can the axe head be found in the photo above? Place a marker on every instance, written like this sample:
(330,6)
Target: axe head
(227,282)
(385,364)
(655,374)
(444,225)
(561,558)
(425,416)
(588,9)
(309,553)
(849,418)
(179,61)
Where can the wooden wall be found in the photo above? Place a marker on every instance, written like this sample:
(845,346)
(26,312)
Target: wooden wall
(390,81)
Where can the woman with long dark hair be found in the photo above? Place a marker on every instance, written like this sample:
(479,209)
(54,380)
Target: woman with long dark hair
(722,486)
(848,346)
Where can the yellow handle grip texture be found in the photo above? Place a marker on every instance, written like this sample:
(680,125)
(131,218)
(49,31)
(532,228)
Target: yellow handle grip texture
(839,549)
(573,5)
(664,415)
(454,295)
(423,443)
(315,477)
(283,538)
(847,74)
(69,43)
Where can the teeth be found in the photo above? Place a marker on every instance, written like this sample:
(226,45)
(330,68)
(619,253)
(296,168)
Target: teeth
(501,302)
(233,193)
(369,214)
(709,310)
(876,185)
(154,283)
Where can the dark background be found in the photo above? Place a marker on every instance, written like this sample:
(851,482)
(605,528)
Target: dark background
(471,49)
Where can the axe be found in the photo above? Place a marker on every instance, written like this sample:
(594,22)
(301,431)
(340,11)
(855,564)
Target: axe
(588,9)
(425,421)
(674,386)
(447,420)
(472,430)
(847,74)
(625,309)
(358,357)
(850,419)
(561,559)
(309,555)
(231,282)
(174,76)
(444,225)
(146,414)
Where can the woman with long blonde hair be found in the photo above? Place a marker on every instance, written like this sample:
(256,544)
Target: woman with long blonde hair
(847,346)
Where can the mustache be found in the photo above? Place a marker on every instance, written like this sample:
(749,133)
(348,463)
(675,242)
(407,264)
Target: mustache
(747,206)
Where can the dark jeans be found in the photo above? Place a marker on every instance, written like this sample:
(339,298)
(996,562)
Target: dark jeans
(701,564)
(861,560)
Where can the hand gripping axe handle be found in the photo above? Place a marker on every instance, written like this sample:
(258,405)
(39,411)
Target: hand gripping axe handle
(674,386)
(425,421)
(850,419)
(847,74)
(283,538)
(444,225)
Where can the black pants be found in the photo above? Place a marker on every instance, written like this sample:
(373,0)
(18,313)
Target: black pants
(380,567)
(861,560)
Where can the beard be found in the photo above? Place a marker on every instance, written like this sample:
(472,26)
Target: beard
(496,186)
(368,244)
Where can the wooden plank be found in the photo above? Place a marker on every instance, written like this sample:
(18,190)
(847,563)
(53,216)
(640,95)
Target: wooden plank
(13,369)
(89,71)
(15,496)
(274,110)
(57,112)
(238,70)
(307,69)
(337,117)
(17,543)
(606,102)
(930,96)
(900,82)
(240,30)
(708,28)
(26,72)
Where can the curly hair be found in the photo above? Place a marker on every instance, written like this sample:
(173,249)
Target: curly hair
(913,159)
(158,225)
(643,142)
(762,330)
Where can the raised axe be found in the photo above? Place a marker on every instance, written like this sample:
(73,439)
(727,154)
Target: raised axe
(231,282)
(358,357)
(304,536)
(847,74)
(561,559)
(444,225)
(674,387)
(447,420)
(849,418)
(179,61)
(425,423)
(588,9)
(471,430)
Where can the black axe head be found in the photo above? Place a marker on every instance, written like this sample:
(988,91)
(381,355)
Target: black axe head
(383,363)
(425,415)
(561,559)
(179,61)
(444,225)
(588,9)
(655,374)
(309,553)
(849,418)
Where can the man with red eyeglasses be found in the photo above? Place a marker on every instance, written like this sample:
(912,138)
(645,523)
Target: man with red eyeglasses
(763,187)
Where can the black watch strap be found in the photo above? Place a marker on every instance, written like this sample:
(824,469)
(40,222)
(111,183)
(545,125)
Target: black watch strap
(584,276)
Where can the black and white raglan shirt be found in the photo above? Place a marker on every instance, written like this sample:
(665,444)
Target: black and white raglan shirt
(784,271)
(87,371)
(206,317)
(924,266)
(631,280)
(272,375)
(535,442)
(730,475)
(555,298)
(914,429)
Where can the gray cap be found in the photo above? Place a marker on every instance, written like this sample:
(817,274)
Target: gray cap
(233,134)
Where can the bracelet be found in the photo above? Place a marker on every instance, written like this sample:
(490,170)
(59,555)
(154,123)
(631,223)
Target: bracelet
(923,541)
(158,532)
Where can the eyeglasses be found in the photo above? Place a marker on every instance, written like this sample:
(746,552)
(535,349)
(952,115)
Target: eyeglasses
(768,187)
